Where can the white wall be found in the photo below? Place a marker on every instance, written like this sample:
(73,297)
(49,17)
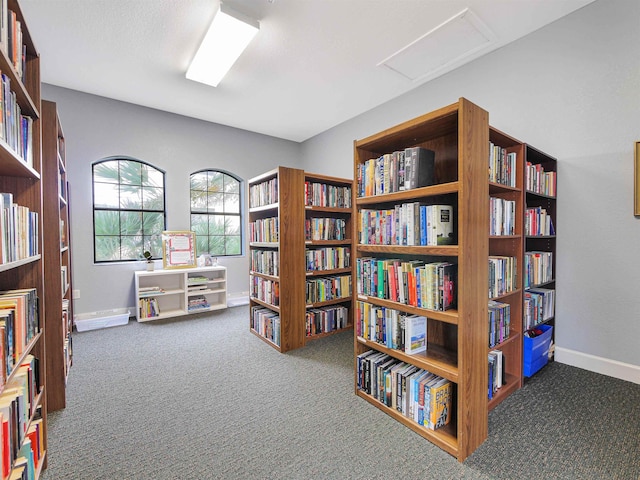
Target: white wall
(96,127)
(571,89)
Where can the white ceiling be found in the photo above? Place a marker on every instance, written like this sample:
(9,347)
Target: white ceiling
(312,66)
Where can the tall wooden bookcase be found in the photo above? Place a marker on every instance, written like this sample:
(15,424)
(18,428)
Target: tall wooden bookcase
(540,191)
(57,257)
(457,339)
(277,246)
(21,175)
(510,245)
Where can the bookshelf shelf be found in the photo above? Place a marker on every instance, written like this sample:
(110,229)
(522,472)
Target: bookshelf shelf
(302,199)
(165,293)
(22,183)
(448,316)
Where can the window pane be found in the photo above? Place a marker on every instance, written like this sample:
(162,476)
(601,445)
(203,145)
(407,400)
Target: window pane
(231,225)
(152,223)
(215,182)
(215,202)
(198,201)
(153,244)
(151,177)
(200,224)
(130,197)
(216,225)
(152,198)
(107,248)
(216,245)
(106,222)
(199,181)
(132,248)
(233,245)
(130,172)
(202,244)
(231,185)
(105,195)
(106,172)
(130,223)
(231,203)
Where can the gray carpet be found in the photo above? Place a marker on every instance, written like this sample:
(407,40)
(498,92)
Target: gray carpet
(202,398)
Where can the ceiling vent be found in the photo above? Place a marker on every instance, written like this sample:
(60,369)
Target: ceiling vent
(454,40)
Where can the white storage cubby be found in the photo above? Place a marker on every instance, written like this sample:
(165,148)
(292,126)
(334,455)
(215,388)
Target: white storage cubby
(171,293)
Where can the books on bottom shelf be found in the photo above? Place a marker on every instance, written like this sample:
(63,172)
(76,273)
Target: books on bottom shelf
(417,394)
(539,306)
(327,319)
(21,431)
(198,302)
(266,323)
(497,372)
(148,307)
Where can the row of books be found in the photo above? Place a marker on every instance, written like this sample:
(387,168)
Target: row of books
(21,432)
(538,268)
(419,395)
(266,323)
(391,328)
(326,195)
(502,216)
(502,275)
(198,302)
(264,289)
(327,319)
(148,307)
(539,306)
(407,224)
(499,322)
(406,169)
(194,279)
(264,230)
(539,181)
(265,193)
(265,262)
(496,371)
(538,222)
(15,129)
(328,288)
(150,291)
(425,285)
(502,166)
(325,228)
(19,324)
(18,230)
(327,258)
(11,42)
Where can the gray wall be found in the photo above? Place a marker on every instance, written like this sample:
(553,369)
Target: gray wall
(96,127)
(571,89)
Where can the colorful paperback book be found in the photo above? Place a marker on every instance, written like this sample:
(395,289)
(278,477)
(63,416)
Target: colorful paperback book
(415,334)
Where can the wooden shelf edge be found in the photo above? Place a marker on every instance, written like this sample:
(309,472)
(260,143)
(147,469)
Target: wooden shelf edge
(440,189)
(266,340)
(448,316)
(439,250)
(502,393)
(326,303)
(275,308)
(18,263)
(316,336)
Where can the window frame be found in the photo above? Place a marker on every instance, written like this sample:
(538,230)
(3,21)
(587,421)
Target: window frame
(240,213)
(119,209)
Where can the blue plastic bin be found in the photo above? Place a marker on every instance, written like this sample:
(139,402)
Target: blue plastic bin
(536,350)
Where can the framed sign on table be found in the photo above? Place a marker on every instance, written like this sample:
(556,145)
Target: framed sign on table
(178,249)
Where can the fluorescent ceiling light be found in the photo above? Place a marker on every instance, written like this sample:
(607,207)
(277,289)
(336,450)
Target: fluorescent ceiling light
(229,34)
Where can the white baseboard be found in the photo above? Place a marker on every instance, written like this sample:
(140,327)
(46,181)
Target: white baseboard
(237,299)
(605,366)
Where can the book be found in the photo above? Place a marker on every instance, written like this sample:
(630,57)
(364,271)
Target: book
(415,334)
(440,404)
(442,227)
(419,167)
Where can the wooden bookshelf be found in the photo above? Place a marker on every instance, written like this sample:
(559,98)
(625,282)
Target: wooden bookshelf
(57,258)
(457,339)
(296,317)
(541,194)
(284,203)
(21,173)
(508,243)
(328,202)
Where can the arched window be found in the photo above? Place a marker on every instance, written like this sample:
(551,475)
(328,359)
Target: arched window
(215,212)
(128,209)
